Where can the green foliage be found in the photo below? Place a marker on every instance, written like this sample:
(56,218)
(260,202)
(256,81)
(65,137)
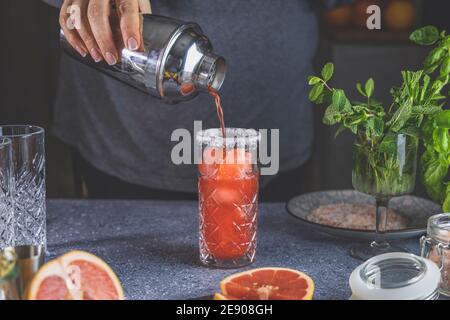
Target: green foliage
(416,110)
(327,71)
(435,160)
(425,36)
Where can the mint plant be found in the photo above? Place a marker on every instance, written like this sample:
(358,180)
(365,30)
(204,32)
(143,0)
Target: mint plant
(416,111)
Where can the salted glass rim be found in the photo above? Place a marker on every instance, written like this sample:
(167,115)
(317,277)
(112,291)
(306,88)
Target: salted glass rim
(234,137)
(32,131)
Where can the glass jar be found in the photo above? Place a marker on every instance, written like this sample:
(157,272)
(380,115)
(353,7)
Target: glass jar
(395,276)
(435,246)
(387,169)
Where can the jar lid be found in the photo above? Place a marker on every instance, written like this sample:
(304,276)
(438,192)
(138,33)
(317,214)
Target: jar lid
(439,227)
(395,276)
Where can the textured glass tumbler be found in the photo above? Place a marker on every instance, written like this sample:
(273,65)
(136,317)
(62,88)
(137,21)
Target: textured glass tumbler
(28,155)
(228,197)
(6,194)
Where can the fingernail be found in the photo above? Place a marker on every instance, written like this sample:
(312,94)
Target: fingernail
(81,51)
(96,55)
(110,58)
(132,44)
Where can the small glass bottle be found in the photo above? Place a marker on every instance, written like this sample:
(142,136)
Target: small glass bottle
(436,247)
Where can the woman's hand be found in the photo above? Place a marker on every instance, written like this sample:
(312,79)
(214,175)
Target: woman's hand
(87,26)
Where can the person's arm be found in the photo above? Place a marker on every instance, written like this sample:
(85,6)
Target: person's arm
(87,27)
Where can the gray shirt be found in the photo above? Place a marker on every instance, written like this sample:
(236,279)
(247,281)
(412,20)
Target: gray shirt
(269,46)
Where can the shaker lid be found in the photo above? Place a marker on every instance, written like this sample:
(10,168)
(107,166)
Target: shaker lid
(395,276)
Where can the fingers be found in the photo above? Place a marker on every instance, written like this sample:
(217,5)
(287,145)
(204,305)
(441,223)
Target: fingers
(68,20)
(98,12)
(85,32)
(128,11)
(145,6)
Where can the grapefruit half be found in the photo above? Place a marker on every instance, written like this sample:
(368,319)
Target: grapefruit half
(76,275)
(267,284)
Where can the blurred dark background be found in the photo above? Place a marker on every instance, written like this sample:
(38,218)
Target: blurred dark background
(30,53)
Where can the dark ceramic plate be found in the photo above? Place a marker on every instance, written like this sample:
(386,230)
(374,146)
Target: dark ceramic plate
(416,210)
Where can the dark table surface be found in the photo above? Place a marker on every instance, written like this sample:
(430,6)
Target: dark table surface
(153,246)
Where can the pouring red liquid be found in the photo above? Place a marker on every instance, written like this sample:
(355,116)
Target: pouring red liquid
(219,109)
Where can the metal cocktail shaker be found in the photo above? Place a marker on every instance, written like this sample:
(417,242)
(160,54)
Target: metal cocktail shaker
(177,62)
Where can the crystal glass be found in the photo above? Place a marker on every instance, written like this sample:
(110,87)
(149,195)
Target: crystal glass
(28,157)
(228,197)
(6,194)
(384,170)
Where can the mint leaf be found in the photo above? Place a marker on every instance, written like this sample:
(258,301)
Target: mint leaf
(378,127)
(360,89)
(331,116)
(425,36)
(401,116)
(370,87)
(316,91)
(327,71)
(445,67)
(433,59)
(355,120)
(341,102)
(339,99)
(313,80)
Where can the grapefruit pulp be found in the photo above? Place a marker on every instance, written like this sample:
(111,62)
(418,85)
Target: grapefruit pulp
(267,284)
(76,275)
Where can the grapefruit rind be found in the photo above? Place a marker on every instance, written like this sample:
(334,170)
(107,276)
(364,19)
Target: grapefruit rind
(310,283)
(219,296)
